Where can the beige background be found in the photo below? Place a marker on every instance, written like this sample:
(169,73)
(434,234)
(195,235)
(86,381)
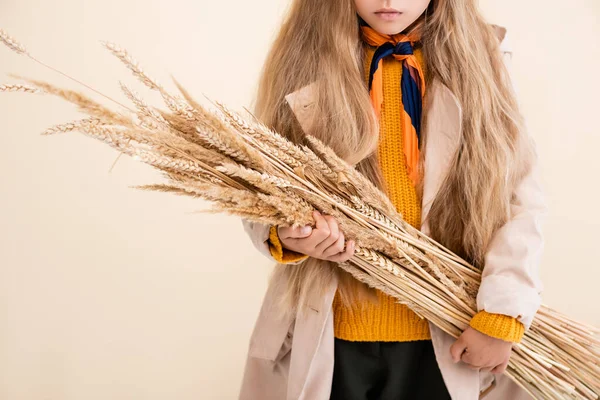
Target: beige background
(112,293)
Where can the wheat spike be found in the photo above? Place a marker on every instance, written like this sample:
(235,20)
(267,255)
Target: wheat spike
(17,87)
(11,43)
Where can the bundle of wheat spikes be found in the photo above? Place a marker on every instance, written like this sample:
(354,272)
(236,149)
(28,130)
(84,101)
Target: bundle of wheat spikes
(244,168)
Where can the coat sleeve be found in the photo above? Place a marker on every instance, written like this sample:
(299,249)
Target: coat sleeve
(511,287)
(264,238)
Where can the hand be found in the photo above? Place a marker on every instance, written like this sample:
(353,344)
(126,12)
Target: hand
(480,351)
(325,241)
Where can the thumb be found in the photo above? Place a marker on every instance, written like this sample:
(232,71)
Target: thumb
(457,349)
(302,232)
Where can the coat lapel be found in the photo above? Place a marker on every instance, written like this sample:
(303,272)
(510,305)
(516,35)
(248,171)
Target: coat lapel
(442,137)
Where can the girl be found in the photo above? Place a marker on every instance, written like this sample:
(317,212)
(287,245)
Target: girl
(415,94)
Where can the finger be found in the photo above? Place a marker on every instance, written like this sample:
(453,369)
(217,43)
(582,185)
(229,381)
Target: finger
(346,254)
(488,368)
(467,358)
(320,232)
(296,232)
(334,234)
(500,368)
(476,358)
(337,247)
(457,348)
(471,361)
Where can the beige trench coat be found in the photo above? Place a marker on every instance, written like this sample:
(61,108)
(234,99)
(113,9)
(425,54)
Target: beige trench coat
(292,358)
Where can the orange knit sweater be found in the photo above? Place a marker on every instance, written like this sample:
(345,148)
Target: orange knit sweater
(388,320)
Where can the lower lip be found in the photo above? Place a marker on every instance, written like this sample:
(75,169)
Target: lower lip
(388,16)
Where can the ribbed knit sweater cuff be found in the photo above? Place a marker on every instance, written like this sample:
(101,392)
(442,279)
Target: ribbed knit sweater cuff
(279,253)
(499,326)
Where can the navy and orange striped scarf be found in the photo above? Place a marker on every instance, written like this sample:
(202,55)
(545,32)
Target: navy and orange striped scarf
(412,84)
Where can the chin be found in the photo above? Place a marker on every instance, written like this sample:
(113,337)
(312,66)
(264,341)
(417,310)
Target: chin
(388,29)
(391,31)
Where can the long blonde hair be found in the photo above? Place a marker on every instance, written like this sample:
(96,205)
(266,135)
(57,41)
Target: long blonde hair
(319,42)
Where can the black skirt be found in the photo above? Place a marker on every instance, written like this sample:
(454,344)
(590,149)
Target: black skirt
(386,371)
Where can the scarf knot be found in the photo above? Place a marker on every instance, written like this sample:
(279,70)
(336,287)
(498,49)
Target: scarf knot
(403,49)
(412,83)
